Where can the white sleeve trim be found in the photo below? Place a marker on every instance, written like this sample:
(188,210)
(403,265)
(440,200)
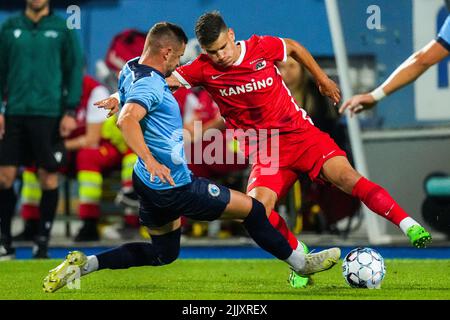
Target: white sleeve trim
(182,80)
(93,113)
(284,50)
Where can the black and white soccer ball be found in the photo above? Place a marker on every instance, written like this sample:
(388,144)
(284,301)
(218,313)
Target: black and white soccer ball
(364,268)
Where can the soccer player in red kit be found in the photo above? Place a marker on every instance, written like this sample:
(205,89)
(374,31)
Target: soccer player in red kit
(243,80)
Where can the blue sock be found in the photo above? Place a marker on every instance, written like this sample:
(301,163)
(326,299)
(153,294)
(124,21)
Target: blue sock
(264,234)
(164,249)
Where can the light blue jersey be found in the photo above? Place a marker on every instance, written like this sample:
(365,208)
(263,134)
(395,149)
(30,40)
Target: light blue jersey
(162,125)
(444,34)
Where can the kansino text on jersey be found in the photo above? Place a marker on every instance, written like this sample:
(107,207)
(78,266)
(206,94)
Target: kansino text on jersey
(248,87)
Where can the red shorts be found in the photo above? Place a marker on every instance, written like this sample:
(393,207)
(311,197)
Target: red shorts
(298,153)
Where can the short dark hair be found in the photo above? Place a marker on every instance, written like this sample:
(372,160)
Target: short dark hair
(208,27)
(163,34)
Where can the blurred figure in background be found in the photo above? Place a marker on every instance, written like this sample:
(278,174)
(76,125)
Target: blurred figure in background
(322,205)
(304,90)
(96,147)
(123,47)
(42,87)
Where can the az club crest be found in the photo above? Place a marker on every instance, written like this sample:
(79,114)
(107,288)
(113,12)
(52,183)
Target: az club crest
(260,65)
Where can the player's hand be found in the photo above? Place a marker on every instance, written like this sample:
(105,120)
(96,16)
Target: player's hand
(173,83)
(67,125)
(329,88)
(159,170)
(2,126)
(358,103)
(174,88)
(111,104)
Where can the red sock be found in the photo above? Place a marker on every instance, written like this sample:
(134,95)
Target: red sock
(30,212)
(379,201)
(131,220)
(278,223)
(89,211)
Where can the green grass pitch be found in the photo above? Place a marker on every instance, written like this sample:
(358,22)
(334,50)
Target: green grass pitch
(226,279)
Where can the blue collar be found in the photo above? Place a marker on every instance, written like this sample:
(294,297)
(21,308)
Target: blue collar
(141,70)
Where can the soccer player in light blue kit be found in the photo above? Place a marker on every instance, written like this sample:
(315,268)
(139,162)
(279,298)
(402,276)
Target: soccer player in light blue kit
(412,68)
(151,125)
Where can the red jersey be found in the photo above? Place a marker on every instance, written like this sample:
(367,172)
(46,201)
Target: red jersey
(207,109)
(196,103)
(250,94)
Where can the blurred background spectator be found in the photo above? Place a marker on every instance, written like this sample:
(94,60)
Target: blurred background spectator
(96,148)
(41,72)
(321,205)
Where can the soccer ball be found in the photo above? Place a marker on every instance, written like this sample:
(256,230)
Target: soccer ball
(364,268)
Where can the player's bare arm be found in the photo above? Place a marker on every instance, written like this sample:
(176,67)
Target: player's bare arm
(128,123)
(326,86)
(112,103)
(415,66)
(407,72)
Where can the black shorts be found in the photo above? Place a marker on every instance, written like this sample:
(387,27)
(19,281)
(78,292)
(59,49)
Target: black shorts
(32,140)
(201,200)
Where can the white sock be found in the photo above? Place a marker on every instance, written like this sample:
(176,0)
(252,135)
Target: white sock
(296,260)
(91,265)
(406,223)
(300,247)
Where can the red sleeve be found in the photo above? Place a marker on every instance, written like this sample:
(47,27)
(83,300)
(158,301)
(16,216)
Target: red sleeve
(190,74)
(274,47)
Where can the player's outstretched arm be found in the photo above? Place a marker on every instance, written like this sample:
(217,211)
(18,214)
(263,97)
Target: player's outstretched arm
(326,86)
(128,123)
(407,72)
(415,66)
(113,102)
